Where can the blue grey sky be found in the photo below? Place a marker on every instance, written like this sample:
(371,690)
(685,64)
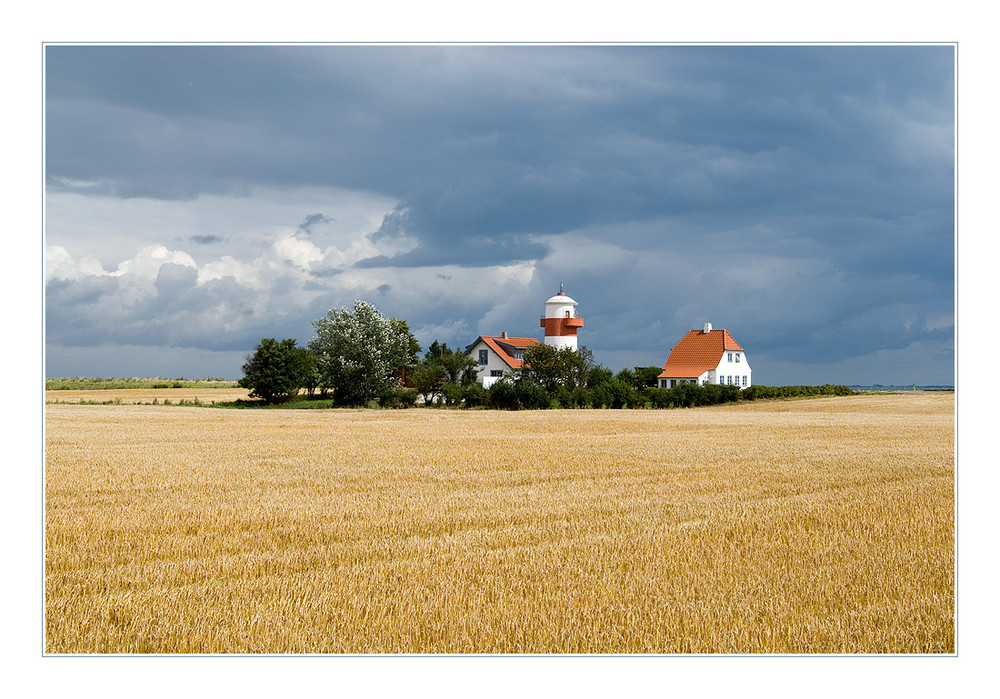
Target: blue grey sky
(199,198)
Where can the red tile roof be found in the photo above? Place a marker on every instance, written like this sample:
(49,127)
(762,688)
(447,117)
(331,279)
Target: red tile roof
(505,347)
(698,352)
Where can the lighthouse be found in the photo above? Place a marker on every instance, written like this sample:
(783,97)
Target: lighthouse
(560,321)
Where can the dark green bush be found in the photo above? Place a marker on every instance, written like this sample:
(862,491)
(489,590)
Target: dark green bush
(531,395)
(522,393)
(601,396)
(398,397)
(563,397)
(475,395)
(501,395)
(580,397)
(615,394)
(756,392)
(599,375)
(453,393)
(660,397)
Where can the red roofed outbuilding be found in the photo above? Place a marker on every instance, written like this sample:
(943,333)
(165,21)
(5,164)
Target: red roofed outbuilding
(706,356)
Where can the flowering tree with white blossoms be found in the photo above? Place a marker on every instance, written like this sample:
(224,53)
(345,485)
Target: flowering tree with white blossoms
(359,350)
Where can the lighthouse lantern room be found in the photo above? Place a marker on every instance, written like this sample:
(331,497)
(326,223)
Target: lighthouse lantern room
(560,321)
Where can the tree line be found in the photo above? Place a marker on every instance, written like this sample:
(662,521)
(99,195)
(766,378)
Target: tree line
(358,357)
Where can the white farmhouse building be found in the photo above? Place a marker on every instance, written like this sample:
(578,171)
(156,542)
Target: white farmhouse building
(706,356)
(498,355)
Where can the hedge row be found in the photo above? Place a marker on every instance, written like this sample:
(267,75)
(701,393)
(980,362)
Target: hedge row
(526,394)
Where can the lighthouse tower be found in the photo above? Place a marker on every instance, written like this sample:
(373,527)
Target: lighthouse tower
(560,321)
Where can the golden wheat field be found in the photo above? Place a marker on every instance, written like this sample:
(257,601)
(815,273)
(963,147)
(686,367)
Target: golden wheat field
(147,395)
(810,526)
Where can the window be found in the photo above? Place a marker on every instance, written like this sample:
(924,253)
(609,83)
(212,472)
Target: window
(484,356)
(729,379)
(496,372)
(730,358)
(737,357)
(744,381)
(519,354)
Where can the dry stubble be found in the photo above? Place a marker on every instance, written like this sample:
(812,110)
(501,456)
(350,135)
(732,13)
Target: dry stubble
(819,526)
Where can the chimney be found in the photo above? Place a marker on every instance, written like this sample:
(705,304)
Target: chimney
(504,334)
(708,328)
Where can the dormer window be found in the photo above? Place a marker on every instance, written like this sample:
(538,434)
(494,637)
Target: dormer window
(519,354)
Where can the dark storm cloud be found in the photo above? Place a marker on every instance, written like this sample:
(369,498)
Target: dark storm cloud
(500,142)
(394,224)
(312,220)
(84,292)
(802,194)
(173,278)
(205,239)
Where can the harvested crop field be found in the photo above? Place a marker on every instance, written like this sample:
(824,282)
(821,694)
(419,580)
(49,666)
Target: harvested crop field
(131,396)
(809,526)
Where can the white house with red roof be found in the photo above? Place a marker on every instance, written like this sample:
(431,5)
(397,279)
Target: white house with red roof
(498,355)
(706,356)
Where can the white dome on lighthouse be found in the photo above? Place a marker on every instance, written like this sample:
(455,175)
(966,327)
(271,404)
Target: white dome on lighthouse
(557,306)
(562,298)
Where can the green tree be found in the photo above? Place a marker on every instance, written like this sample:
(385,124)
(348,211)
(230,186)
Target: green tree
(502,394)
(615,394)
(459,368)
(522,392)
(647,376)
(441,367)
(359,350)
(555,369)
(530,394)
(435,350)
(412,347)
(309,371)
(453,393)
(626,377)
(277,370)
(427,379)
(599,375)
(543,363)
(475,395)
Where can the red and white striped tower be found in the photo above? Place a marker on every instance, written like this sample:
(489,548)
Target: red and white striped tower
(560,321)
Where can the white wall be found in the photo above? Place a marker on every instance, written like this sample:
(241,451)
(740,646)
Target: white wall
(720,375)
(737,369)
(561,341)
(494,364)
(665,383)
